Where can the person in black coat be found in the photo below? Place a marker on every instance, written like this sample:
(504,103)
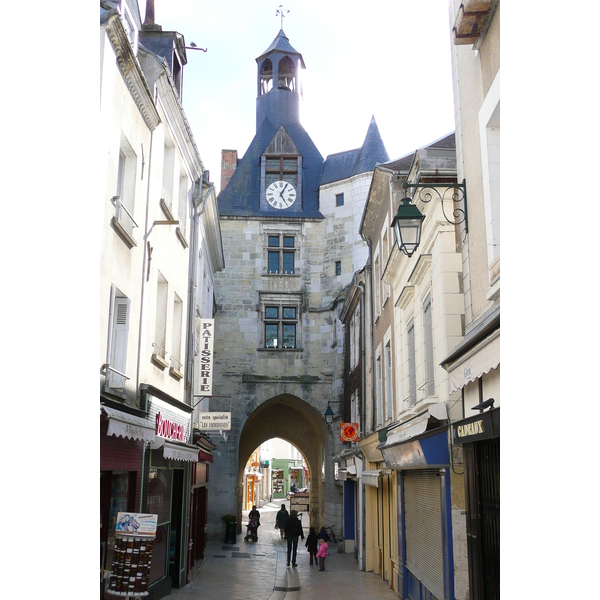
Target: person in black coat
(311,545)
(293,530)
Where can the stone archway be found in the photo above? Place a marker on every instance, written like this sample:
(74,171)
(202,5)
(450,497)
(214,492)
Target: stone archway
(291,419)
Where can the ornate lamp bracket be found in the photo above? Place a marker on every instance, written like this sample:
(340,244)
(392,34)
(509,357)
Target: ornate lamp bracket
(455,192)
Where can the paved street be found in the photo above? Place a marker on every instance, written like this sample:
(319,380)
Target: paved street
(258,571)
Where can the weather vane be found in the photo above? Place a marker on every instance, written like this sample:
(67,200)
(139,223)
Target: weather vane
(281,12)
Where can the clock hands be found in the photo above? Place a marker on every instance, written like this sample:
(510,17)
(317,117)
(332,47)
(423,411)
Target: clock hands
(283,190)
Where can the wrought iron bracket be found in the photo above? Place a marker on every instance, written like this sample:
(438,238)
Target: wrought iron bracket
(454,192)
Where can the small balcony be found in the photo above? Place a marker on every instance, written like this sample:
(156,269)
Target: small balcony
(123,222)
(159,357)
(166,204)
(176,369)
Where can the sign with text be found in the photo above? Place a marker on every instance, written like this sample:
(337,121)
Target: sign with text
(136,524)
(349,432)
(215,421)
(207,331)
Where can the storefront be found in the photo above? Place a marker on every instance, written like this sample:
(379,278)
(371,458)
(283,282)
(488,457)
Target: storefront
(480,438)
(123,432)
(418,451)
(170,462)
(199,504)
(347,463)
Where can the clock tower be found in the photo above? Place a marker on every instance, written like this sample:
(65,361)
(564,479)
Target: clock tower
(290,224)
(279,174)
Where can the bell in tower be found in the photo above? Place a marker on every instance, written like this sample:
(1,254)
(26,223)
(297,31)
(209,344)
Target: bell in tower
(279,102)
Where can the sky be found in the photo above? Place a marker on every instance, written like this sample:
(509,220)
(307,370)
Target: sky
(385,58)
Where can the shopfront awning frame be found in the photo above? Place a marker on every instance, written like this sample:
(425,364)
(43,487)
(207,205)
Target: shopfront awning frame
(122,424)
(370,477)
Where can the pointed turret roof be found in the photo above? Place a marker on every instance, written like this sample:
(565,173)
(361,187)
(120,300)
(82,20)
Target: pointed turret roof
(282,44)
(361,160)
(372,152)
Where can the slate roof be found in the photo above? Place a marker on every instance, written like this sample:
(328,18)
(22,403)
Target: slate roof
(353,162)
(241,196)
(282,44)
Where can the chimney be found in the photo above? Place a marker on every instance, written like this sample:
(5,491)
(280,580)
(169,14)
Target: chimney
(149,23)
(228,166)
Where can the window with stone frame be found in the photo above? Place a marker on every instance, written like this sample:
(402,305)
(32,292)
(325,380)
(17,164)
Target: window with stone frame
(281,253)
(280,320)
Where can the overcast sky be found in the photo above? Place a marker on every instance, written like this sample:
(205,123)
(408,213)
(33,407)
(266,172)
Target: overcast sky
(387,58)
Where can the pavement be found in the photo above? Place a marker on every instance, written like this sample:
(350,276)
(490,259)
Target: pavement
(259,571)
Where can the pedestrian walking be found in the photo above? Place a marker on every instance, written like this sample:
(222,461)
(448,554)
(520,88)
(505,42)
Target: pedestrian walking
(280,519)
(323,534)
(311,545)
(322,553)
(293,530)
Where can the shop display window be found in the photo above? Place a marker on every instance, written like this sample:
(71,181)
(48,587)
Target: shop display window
(159,503)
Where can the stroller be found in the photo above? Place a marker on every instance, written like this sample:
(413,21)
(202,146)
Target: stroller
(252,529)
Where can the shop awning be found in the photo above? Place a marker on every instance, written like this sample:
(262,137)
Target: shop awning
(478,353)
(420,442)
(346,473)
(369,445)
(176,450)
(296,468)
(121,424)
(185,452)
(370,477)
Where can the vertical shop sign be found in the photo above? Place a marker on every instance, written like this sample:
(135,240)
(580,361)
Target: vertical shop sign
(207,330)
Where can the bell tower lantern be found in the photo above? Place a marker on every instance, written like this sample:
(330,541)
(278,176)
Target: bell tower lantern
(278,83)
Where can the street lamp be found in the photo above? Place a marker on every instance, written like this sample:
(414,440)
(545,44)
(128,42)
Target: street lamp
(409,219)
(407,226)
(328,416)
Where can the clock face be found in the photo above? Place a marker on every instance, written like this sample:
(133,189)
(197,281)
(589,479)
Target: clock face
(281,194)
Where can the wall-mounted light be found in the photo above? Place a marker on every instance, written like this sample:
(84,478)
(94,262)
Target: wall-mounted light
(329,413)
(409,219)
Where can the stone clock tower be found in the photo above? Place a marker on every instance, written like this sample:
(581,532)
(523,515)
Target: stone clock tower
(289,223)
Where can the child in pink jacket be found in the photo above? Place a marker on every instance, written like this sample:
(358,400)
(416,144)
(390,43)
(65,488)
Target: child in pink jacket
(322,554)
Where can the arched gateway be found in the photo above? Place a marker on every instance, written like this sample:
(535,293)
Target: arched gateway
(289,418)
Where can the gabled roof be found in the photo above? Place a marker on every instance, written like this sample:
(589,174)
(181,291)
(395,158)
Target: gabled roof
(282,44)
(353,162)
(241,196)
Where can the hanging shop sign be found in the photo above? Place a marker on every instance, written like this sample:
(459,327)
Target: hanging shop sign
(207,330)
(215,421)
(349,432)
(170,421)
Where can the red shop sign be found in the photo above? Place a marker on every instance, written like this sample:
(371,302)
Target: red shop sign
(168,429)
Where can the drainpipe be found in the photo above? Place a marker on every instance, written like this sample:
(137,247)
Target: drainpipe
(363,518)
(139,348)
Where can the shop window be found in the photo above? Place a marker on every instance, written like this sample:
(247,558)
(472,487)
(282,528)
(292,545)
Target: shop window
(159,503)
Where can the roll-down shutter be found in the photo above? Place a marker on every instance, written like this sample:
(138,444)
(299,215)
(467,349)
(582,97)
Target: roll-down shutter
(423,529)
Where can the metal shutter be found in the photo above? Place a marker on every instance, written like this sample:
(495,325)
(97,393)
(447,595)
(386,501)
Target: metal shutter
(423,528)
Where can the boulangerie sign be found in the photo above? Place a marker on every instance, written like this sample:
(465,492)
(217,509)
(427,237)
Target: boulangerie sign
(207,330)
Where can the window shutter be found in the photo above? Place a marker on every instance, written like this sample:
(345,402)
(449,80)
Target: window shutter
(118,359)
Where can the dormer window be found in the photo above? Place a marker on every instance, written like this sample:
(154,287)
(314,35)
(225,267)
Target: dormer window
(281,168)
(129,26)
(287,74)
